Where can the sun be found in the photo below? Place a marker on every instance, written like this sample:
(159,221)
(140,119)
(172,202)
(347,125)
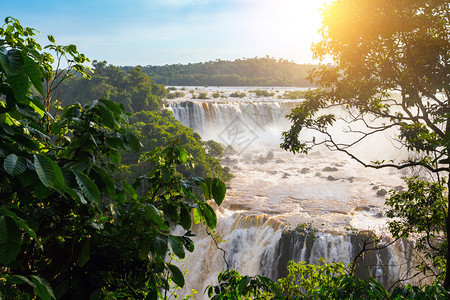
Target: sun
(287,25)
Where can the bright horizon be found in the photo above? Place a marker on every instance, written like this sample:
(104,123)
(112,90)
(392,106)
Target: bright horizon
(159,32)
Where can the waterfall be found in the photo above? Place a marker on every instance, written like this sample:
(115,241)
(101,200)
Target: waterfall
(266,198)
(239,123)
(261,245)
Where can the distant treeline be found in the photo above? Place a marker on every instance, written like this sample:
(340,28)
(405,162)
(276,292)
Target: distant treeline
(258,71)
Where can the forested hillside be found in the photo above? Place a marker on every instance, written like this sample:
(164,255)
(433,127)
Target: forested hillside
(257,71)
(141,98)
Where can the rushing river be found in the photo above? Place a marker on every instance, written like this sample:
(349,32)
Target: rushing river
(281,206)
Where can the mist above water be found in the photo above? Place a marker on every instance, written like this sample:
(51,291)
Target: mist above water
(274,190)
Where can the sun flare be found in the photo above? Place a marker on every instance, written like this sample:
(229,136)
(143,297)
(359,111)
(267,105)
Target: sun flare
(287,24)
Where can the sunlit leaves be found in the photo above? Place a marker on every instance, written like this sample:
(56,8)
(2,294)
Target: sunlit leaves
(11,61)
(33,72)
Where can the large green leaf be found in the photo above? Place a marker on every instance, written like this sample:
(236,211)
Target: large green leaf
(130,190)
(185,218)
(209,214)
(160,246)
(88,187)
(218,190)
(49,172)
(133,142)
(152,214)
(206,186)
(85,254)
(11,61)
(32,69)
(112,106)
(177,276)
(42,288)
(107,180)
(177,246)
(21,223)
(10,239)
(19,84)
(14,165)
(106,117)
(183,155)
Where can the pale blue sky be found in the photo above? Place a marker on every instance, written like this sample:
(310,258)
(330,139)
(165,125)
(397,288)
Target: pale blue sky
(158,32)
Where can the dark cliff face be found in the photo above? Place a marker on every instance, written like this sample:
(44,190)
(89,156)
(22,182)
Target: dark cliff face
(371,258)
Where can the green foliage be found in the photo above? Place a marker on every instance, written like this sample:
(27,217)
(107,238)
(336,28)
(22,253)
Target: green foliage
(294,95)
(308,282)
(68,229)
(257,71)
(233,286)
(156,129)
(202,96)
(175,95)
(262,93)
(333,281)
(303,279)
(237,95)
(213,148)
(420,212)
(134,89)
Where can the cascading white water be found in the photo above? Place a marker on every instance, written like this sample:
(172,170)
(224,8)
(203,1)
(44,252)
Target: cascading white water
(240,123)
(270,196)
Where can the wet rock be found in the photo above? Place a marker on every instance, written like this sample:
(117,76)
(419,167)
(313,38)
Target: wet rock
(279,161)
(247,157)
(286,175)
(375,187)
(362,208)
(228,160)
(269,155)
(261,160)
(273,172)
(331,178)
(350,179)
(330,169)
(318,174)
(399,188)
(229,150)
(381,192)
(379,215)
(305,170)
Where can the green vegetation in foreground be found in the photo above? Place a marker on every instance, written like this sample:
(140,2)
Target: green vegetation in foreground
(257,71)
(68,229)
